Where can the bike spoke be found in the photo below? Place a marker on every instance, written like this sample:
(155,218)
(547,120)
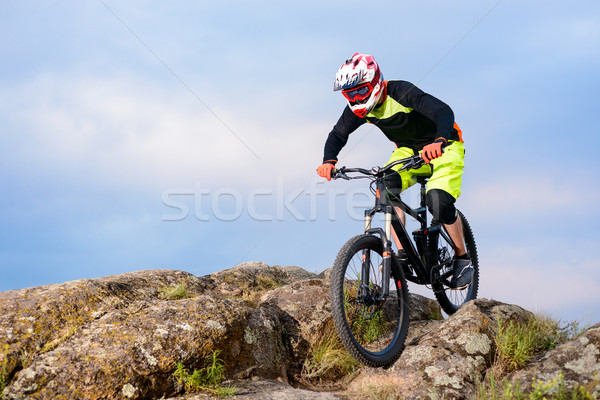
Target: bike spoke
(452,299)
(372,320)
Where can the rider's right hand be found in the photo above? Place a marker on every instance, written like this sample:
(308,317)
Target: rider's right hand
(324,170)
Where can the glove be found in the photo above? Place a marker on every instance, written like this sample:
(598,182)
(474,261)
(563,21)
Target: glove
(433,150)
(324,170)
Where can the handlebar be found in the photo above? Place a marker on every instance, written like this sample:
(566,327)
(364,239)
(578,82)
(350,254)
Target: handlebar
(413,162)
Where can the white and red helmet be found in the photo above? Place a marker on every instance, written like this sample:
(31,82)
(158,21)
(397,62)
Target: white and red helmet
(361,83)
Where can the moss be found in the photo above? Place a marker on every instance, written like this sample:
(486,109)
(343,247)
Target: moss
(51,345)
(434,315)
(260,286)
(176,292)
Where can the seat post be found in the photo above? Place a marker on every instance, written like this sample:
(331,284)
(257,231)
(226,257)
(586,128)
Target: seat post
(423,208)
(423,182)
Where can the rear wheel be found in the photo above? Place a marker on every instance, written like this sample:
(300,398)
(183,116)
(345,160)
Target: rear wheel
(372,329)
(452,299)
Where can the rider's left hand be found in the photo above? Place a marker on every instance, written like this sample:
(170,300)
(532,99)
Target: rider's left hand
(433,150)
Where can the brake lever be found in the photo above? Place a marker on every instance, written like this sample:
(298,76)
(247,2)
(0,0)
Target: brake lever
(339,174)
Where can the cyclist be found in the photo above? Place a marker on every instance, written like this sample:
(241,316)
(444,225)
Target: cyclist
(418,123)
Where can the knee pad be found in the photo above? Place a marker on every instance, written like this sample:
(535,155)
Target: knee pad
(441,205)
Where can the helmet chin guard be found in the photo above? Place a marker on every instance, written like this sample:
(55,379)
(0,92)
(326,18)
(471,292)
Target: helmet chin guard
(361,83)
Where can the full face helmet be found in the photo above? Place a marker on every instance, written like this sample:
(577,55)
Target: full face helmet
(361,83)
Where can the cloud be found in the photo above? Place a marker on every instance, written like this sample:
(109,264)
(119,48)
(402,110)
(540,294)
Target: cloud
(530,277)
(126,131)
(516,201)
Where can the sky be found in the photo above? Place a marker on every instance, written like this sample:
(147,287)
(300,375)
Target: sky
(186,135)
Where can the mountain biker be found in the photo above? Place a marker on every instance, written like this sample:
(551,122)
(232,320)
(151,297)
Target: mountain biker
(418,123)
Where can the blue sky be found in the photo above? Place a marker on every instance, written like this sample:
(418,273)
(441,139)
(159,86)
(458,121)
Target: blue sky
(185,135)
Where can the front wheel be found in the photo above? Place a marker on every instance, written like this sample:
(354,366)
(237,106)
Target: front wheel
(372,329)
(452,299)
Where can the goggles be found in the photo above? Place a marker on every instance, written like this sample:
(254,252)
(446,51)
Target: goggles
(358,93)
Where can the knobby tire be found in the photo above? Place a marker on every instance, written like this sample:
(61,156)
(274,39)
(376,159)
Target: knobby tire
(451,300)
(372,331)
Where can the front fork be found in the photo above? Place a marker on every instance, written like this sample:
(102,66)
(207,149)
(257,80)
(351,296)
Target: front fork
(386,264)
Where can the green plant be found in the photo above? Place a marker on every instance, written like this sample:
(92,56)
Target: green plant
(208,378)
(435,315)
(514,345)
(365,328)
(517,342)
(554,389)
(328,359)
(266,283)
(3,368)
(3,377)
(176,292)
(260,286)
(574,329)
(383,392)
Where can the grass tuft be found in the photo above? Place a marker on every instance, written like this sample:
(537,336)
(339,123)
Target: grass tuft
(383,392)
(207,379)
(328,359)
(554,389)
(262,285)
(3,368)
(366,329)
(176,292)
(3,377)
(516,343)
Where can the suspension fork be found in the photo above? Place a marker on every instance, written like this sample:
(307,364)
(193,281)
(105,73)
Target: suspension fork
(386,238)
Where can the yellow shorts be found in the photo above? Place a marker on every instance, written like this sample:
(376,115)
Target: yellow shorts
(444,172)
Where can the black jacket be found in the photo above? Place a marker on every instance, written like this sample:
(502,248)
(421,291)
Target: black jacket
(408,117)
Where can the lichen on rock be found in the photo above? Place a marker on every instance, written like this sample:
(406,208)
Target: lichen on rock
(121,337)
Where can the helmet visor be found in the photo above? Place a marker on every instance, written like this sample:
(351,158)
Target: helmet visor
(358,93)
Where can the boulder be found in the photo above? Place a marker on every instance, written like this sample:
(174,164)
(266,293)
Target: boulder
(446,362)
(267,390)
(308,303)
(253,278)
(122,336)
(37,320)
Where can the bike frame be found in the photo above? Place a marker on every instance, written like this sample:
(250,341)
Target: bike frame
(417,256)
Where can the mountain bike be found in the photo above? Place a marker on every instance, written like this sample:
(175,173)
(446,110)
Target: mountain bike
(369,293)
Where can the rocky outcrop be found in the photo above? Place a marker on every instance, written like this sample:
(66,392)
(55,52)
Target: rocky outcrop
(577,361)
(122,337)
(448,361)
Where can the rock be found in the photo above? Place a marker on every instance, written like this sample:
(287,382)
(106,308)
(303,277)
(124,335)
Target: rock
(267,345)
(135,352)
(38,320)
(298,274)
(447,361)
(423,308)
(252,279)
(578,360)
(268,390)
(121,337)
(307,302)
